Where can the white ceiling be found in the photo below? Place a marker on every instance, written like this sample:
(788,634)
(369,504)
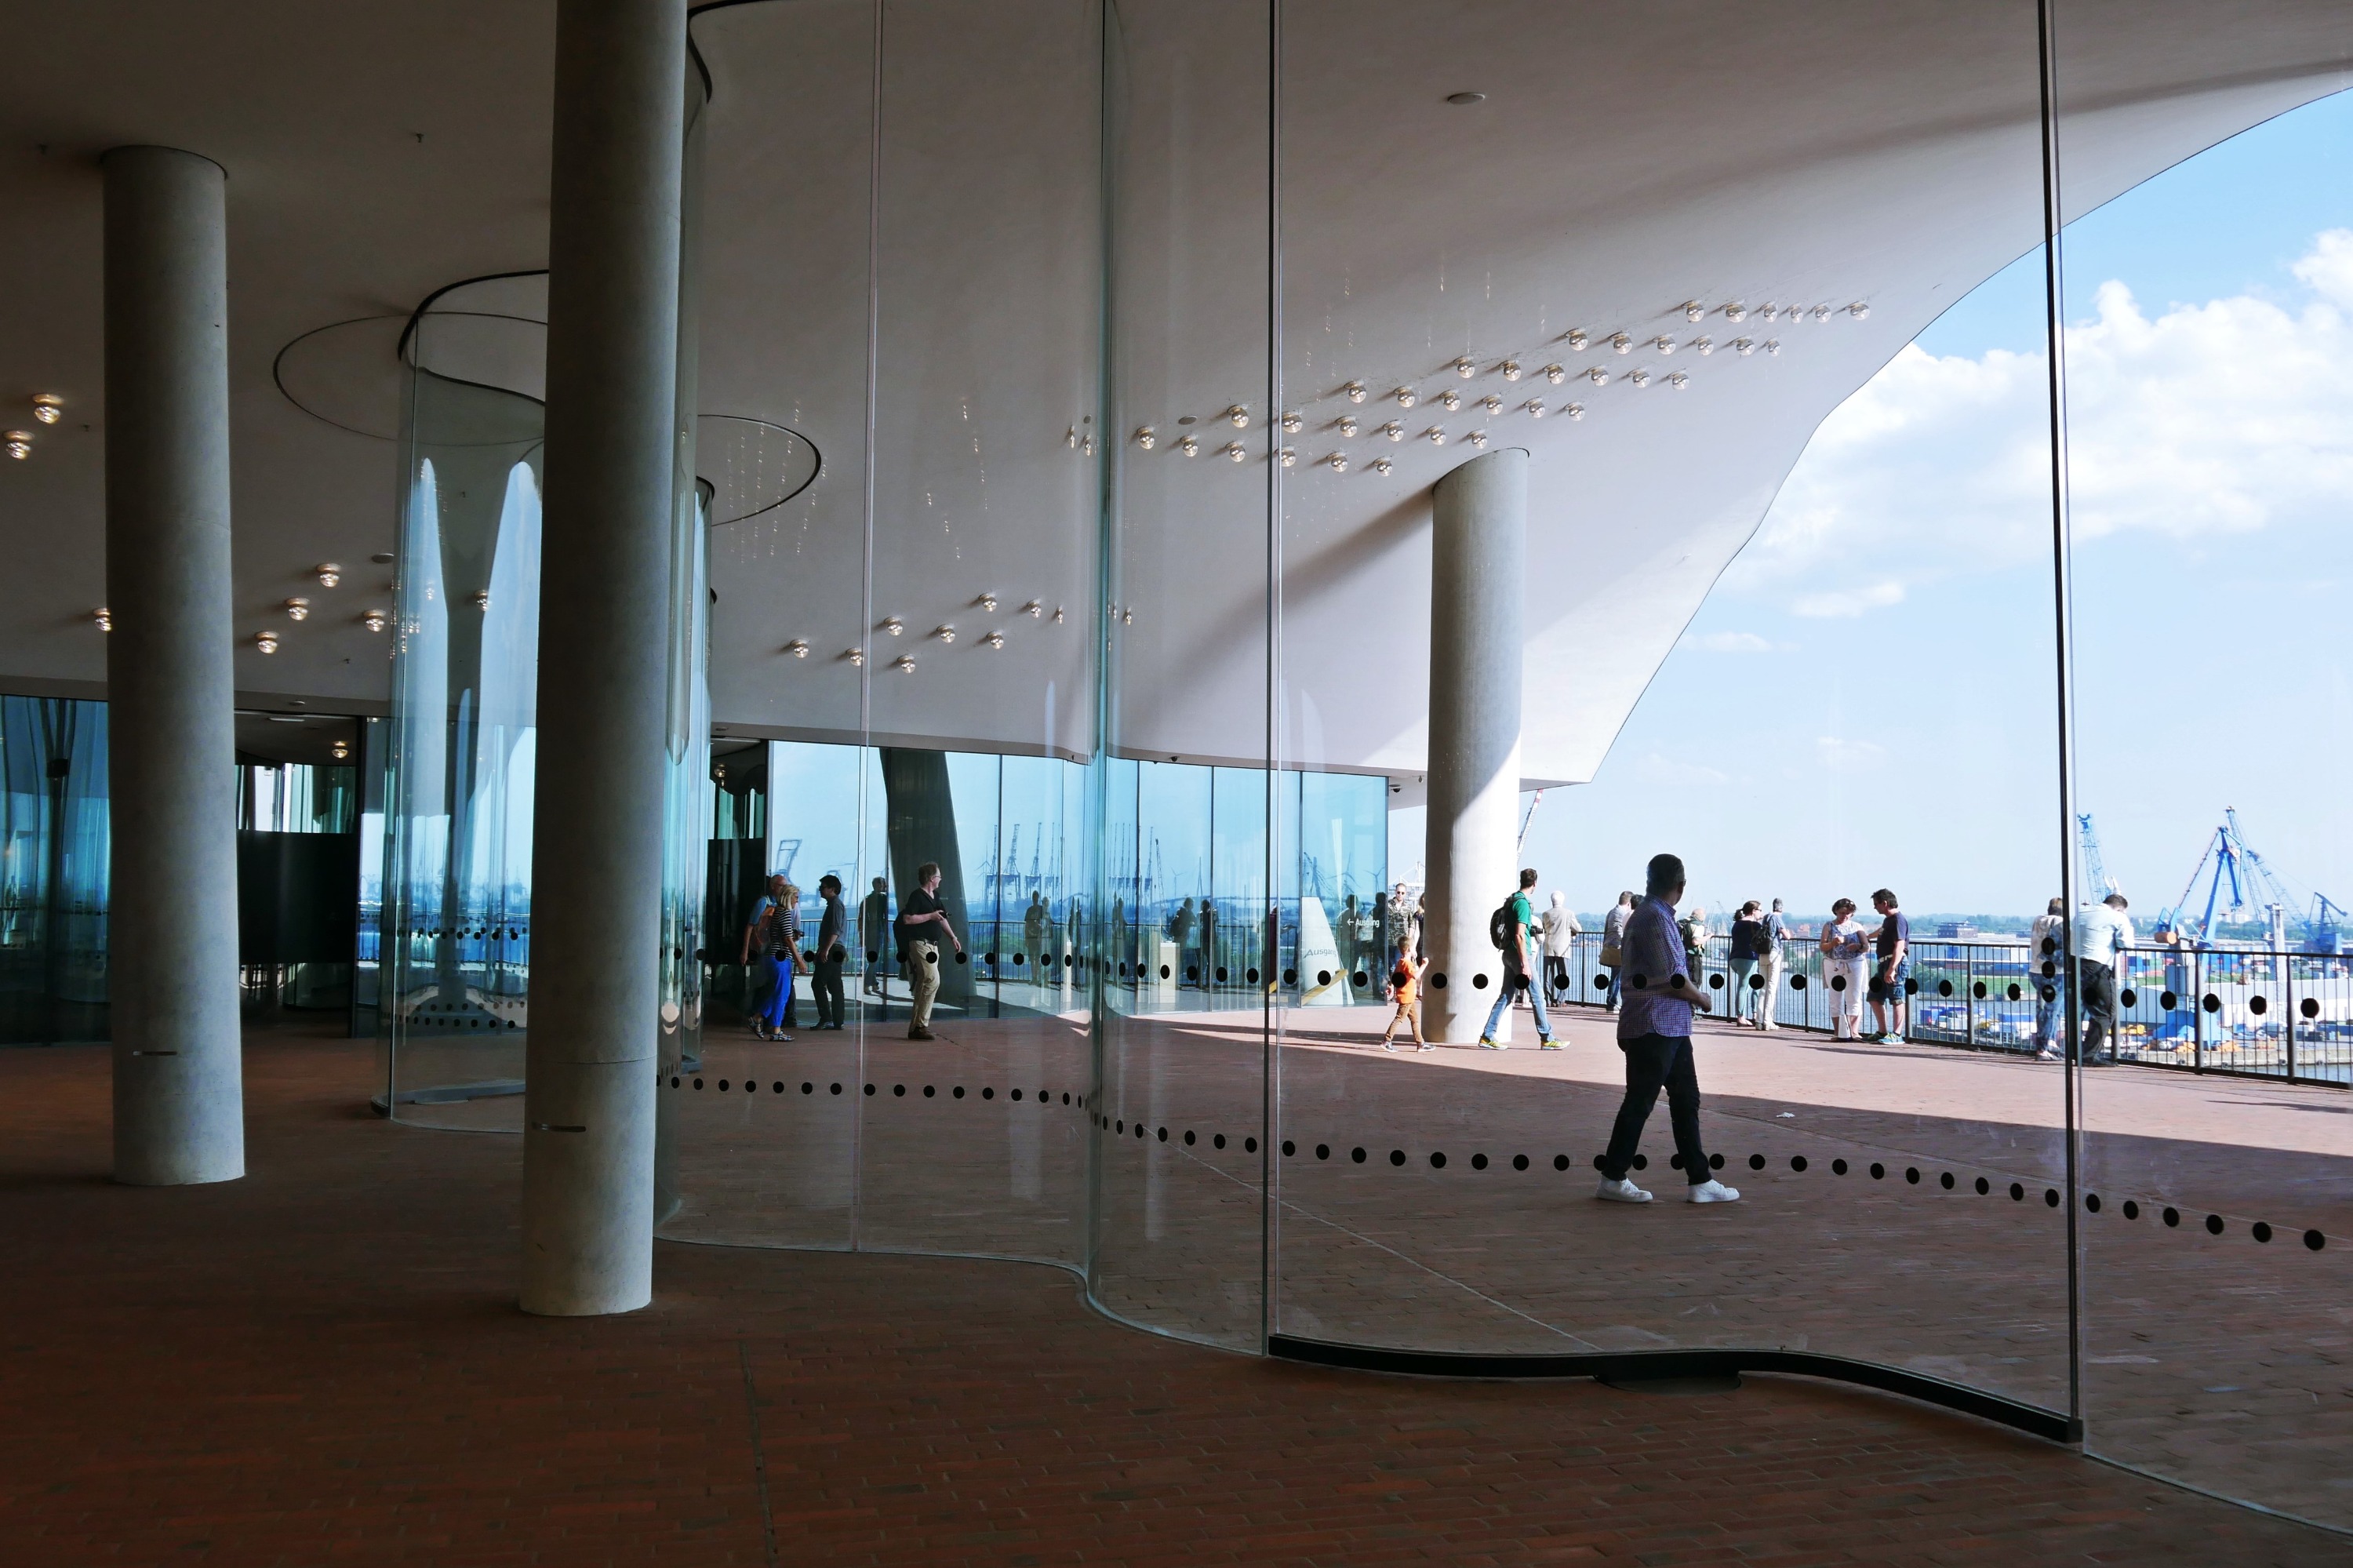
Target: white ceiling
(1624,160)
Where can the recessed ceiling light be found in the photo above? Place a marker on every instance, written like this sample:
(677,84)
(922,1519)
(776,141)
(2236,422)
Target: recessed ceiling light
(46,405)
(298,609)
(382,557)
(328,573)
(1186,420)
(1466,97)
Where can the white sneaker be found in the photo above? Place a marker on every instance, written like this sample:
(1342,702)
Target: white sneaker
(1622,1191)
(1715,1192)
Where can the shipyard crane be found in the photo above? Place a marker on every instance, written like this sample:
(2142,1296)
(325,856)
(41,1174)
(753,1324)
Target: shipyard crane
(2096,873)
(2241,887)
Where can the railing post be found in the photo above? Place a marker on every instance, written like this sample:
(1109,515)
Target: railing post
(2197,1001)
(1969,996)
(2288,1026)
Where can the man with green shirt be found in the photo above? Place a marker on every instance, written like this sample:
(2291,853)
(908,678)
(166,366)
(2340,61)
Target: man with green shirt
(1519,919)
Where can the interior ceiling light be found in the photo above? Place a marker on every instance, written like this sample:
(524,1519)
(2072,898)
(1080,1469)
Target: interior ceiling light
(1575,339)
(1694,310)
(904,664)
(1404,396)
(1126,616)
(1452,399)
(1821,313)
(987,602)
(1638,377)
(1664,344)
(1289,457)
(1292,422)
(482,600)
(328,573)
(1575,410)
(1356,391)
(375,621)
(1238,417)
(1510,370)
(1679,381)
(104,617)
(1144,437)
(1435,435)
(1033,610)
(1772,345)
(1736,312)
(1555,373)
(855,655)
(1744,346)
(1070,437)
(1393,431)
(1769,311)
(892,624)
(995,640)
(1859,310)
(1536,409)
(1622,343)
(340,750)
(1339,462)
(1493,404)
(1465,369)
(1234,452)
(382,557)
(298,609)
(20,444)
(265,640)
(1463,98)
(1348,424)
(945,633)
(1382,465)
(48,406)
(798,647)
(1058,615)
(1189,446)
(1703,345)
(1478,438)
(1598,375)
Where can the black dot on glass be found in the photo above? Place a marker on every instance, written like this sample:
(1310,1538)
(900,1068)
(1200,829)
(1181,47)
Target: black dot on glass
(2172,1216)
(1222,973)
(2127,996)
(673,1083)
(837,1088)
(1119,1126)
(1878,1171)
(1716,982)
(1163,1135)
(2309,1007)
(1983,1186)
(1139,1130)
(2259,1231)
(2015,993)
(2050,1197)
(1838,983)
(2091,1203)
(1191,974)
(1066,1100)
(1715,1161)
(1478,1162)
(1911,987)
(2213,1225)
(929,1091)
(1639,983)
(1979,990)
(722,1085)
(2211,1004)
(1601,982)
(1437,981)
(2048,970)
(698,1082)
(777,1087)
(808,1089)
(1218,1141)
(1479,980)
(1838,1167)
(1675,1162)
(1797,1162)
(1288,1149)
(1357,1155)
(1291,977)
(1360,979)
(1437,1161)
(1250,1144)
(957,1091)
(1944,1180)
(1520,1162)
(1397,1156)
(1323,1151)
(1189,1139)
(2314,1240)
(1250,976)
(2167,1001)
(2258,1006)
(2017,1192)
(1797,983)
(1912,1175)
(2050,945)
(1016,1093)
(898,1091)
(987,1094)
(1164,971)
(1643,1161)
(1756,1162)
(2132,1209)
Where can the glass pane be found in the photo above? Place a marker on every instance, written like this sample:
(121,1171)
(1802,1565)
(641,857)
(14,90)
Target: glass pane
(2206,292)
(1607,534)
(54,871)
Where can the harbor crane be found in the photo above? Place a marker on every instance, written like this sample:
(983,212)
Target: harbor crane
(2241,887)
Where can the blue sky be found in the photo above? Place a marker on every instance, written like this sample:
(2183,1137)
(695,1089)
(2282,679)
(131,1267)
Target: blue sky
(1878,664)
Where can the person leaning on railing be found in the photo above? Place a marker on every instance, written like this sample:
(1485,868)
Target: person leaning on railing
(2102,935)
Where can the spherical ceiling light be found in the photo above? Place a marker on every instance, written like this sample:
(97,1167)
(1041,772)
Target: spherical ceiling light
(1348,424)
(1289,457)
(104,617)
(855,655)
(1622,343)
(1694,310)
(1575,410)
(1382,465)
(267,641)
(1477,438)
(904,664)
(20,444)
(1510,370)
(1404,396)
(1664,344)
(1536,407)
(1291,422)
(1452,399)
(1598,375)
(1338,462)
(1238,417)
(1435,435)
(892,624)
(298,609)
(1859,310)
(1638,377)
(1234,452)
(328,573)
(1703,345)
(482,600)
(1493,404)
(1356,391)
(1393,431)
(1736,313)
(1145,437)
(1744,346)
(1679,380)
(375,619)
(1465,369)
(798,647)
(340,750)
(994,641)
(1034,608)
(1189,446)
(1821,313)
(987,602)
(945,633)
(1772,345)
(1769,311)
(1555,373)
(48,406)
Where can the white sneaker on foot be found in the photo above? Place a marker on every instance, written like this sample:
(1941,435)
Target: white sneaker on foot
(1715,1192)
(1622,1190)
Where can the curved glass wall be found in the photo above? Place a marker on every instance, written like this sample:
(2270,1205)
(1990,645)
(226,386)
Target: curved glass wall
(1206,494)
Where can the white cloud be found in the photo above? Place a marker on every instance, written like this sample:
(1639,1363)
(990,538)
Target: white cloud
(2201,421)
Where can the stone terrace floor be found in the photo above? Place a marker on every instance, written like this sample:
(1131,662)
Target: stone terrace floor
(322,1363)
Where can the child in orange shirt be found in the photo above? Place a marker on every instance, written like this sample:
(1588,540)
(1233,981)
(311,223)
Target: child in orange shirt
(1406,978)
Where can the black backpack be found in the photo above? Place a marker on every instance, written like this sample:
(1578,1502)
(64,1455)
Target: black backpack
(1499,927)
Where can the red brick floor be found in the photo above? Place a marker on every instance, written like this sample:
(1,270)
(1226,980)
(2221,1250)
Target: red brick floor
(321,1363)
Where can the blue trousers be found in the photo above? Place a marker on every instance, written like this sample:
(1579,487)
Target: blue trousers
(1513,983)
(775,1007)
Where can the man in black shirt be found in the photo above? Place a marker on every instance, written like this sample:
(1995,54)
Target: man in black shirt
(921,922)
(831,927)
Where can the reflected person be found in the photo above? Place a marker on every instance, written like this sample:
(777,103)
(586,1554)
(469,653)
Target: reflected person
(2103,936)
(1654,1031)
(874,933)
(1613,943)
(923,921)
(832,929)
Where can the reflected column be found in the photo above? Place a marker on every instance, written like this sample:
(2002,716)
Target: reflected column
(597,865)
(179,1114)
(1478,549)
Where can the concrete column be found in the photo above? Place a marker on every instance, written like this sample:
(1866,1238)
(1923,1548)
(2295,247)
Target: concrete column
(179,1110)
(604,646)
(1478,554)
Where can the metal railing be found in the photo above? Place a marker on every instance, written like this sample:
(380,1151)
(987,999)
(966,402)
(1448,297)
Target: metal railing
(2257,1013)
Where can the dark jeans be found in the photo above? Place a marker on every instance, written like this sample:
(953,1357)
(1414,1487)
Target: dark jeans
(1655,1062)
(2096,982)
(827,987)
